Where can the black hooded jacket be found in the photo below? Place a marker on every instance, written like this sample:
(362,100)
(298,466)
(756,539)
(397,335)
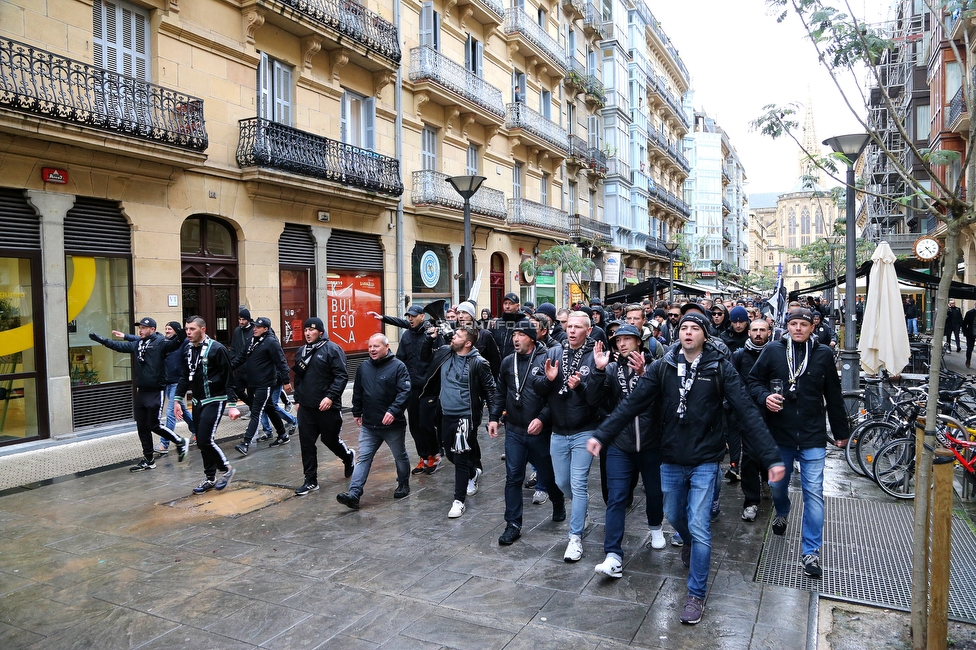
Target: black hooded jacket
(265,365)
(575,410)
(699,437)
(324,375)
(239,341)
(213,379)
(641,433)
(524,404)
(734,340)
(501,330)
(150,370)
(801,423)
(481,383)
(409,350)
(382,386)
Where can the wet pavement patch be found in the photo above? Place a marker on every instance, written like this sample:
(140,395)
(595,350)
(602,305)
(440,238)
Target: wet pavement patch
(240,498)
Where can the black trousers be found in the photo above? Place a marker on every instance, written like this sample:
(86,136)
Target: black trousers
(314,424)
(465,463)
(148,411)
(207,418)
(970,342)
(425,434)
(261,404)
(949,331)
(752,475)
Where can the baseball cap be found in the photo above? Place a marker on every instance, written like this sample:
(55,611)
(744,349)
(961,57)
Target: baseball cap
(511,297)
(415,310)
(263,321)
(147,322)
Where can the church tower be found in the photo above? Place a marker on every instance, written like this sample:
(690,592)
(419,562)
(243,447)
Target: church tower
(811,144)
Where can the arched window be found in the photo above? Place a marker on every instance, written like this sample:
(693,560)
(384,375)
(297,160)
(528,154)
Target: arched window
(818,218)
(791,228)
(805,226)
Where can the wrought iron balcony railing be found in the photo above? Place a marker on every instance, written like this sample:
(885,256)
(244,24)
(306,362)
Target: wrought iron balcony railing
(957,106)
(583,228)
(355,21)
(522,212)
(272,145)
(574,6)
(495,6)
(520,116)
(726,204)
(517,21)
(655,246)
(593,20)
(428,63)
(35,81)
(598,160)
(432,188)
(578,149)
(595,88)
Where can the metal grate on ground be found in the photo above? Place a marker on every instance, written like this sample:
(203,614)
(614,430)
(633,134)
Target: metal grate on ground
(867,556)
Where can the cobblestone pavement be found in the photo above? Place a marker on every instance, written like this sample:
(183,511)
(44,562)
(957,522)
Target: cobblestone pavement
(119,560)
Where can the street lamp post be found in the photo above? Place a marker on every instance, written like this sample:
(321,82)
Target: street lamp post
(716,264)
(466,186)
(850,147)
(672,246)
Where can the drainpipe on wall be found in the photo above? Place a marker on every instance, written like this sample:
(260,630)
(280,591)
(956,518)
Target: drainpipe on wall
(398,128)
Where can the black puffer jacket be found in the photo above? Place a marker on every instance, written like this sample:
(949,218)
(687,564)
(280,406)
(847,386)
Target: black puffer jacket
(700,436)
(174,360)
(576,410)
(411,345)
(381,387)
(150,371)
(734,340)
(641,433)
(801,423)
(265,365)
(324,375)
(481,383)
(501,330)
(558,333)
(530,405)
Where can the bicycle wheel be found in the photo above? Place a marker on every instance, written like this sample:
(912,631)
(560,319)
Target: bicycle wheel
(873,437)
(894,468)
(850,452)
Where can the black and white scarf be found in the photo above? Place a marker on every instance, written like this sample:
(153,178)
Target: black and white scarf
(520,382)
(141,350)
(308,351)
(571,365)
(626,385)
(752,346)
(195,355)
(255,342)
(791,362)
(686,379)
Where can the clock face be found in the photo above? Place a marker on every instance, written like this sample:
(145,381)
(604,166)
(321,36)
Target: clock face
(927,248)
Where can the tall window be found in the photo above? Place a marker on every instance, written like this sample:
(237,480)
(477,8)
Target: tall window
(544,189)
(791,229)
(818,218)
(571,117)
(545,104)
(518,86)
(358,120)
(805,226)
(472,167)
(428,148)
(593,204)
(274,90)
(542,18)
(572,196)
(430,26)
(571,43)
(923,121)
(121,38)
(517,181)
(474,55)
(593,131)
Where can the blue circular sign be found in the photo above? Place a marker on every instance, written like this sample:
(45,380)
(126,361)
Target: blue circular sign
(430,269)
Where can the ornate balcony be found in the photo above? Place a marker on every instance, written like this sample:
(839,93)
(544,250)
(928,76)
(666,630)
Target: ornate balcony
(726,205)
(360,31)
(595,91)
(431,188)
(579,152)
(575,75)
(598,161)
(275,146)
(486,12)
(451,84)
(522,212)
(654,246)
(56,88)
(662,93)
(535,41)
(541,132)
(574,7)
(593,21)
(665,199)
(589,230)
(958,119)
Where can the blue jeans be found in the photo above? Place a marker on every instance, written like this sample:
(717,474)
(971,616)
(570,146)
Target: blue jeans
(369,442)
(519,448)
(282,413)
(621,466)
(571,465)
(687,504)
(912,325)
(811,480)
(171,416)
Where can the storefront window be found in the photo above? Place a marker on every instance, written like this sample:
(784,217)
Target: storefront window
(431,273)
(99,288)
(18,388)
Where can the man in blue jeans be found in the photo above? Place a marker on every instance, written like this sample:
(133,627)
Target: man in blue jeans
(795,416)
(684,391)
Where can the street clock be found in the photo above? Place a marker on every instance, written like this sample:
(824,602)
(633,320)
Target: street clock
(927,249)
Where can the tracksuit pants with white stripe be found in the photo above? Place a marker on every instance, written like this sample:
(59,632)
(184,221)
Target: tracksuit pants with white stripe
(207,417)
(148,410)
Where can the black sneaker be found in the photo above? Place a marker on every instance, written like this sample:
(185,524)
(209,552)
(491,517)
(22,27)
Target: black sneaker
(264,437)
(403,489)
(558,511)
(143,466)
(693,610)
(686,555)
(779,525)
(242,449)
(306,488)
(511,534)
(290,429)
(280,440)
(531,481)
(206,486)
(351,463)
(349,500)
(225,479)
(733,473)
(181,448)
(811,566)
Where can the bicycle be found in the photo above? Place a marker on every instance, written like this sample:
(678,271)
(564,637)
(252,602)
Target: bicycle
(894,465)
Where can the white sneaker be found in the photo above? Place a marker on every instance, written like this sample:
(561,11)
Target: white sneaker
(540,497)
(749,513)
(574,550)
(611,566)
(657,538)
(457,509)
(473,483)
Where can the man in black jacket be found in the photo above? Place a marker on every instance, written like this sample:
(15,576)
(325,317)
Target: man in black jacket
(807,382)
(751,471)
(503,326)
(150,379)
(379,401)
(630,451)
(265,369)
(573,384)
(969,331)
(738,332)
(528,427)
(239,340)
(207,371)
(823,332)
(688,386)
(320,378)
(462,382)
(556,332)
(423,422)
(953,324)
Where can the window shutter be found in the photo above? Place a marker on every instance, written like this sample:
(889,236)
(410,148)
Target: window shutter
(264,88)
(468,63)
(106,35)
(282,94)
(369,106)
(134,42)
(427,24)
(344,118)
(479,58)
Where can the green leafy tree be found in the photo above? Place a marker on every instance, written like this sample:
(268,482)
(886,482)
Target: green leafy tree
(566,258)
(764,280)
(847,47)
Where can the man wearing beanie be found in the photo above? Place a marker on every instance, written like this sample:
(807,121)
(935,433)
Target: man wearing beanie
(556,332)
(795,416)
(750,471)
(688,386)
(265,369)
(503,326)
(320,378)
(485,345)
(528,428)
(737,334)
(239,340)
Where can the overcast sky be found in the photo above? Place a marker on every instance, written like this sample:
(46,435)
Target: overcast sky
(740,59)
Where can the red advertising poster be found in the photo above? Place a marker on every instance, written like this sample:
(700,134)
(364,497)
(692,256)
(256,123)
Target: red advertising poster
(351,295)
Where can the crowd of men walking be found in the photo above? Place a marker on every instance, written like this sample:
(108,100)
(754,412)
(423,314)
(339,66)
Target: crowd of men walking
(660,393)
